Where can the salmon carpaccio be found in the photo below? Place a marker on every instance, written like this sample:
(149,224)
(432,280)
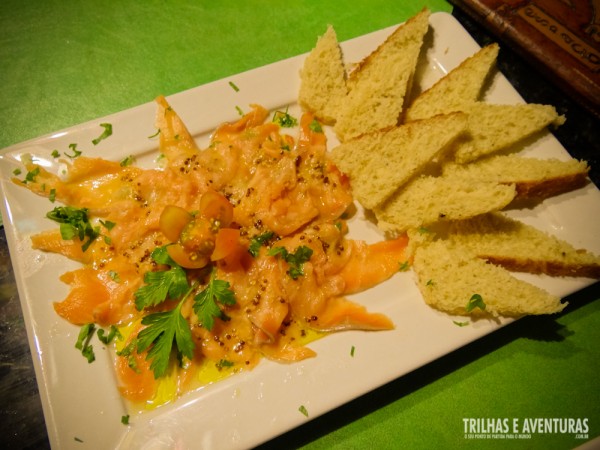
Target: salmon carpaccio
(280,188)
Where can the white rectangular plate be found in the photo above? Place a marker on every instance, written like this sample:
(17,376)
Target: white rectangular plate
(81,404)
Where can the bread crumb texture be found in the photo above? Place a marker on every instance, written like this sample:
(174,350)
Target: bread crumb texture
(449,162)
(448,277)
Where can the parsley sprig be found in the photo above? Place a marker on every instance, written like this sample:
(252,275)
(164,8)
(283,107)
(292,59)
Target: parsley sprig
(169,330)
(74,222)
(86,333)
(258,241)
(106,133)
(295,260)
(164,329)
(284,119)
(206,303)
(476,301)
(160,285)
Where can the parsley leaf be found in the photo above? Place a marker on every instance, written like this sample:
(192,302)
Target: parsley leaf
(155,134)
(74,222)
(31,175)
(303,410)
(284,120)
(315,126)
(403,266)
(106,133)
(83,342)
(127,161)
(259,241)
(76,152)
(163,329)
(295,260)
(112,334)
(206,303)
(160,285)
(127,352)
(224,364)
(476,301)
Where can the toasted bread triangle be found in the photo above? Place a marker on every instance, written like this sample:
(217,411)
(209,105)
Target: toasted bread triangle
(381,162)
(379,83)
(461,86)
(323,79)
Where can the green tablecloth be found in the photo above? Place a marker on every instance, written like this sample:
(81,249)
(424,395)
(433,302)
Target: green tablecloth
(64,62)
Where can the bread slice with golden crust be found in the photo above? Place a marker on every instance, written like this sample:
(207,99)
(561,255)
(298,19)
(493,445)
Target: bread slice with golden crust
(494,128)
(428,199)
(381,162)
(532,177)
(323,79)
(520,247)
(461,86)
(379,83)
(454,280)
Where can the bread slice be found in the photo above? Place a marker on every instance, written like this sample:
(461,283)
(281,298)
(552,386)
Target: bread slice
(520,247)
(379,163)
(428,199)
(378,85)
(449,277)
(458,88)
(532,177)
(323,79)
(494,128)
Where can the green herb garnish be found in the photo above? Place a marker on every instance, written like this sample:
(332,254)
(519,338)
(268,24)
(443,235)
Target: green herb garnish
(163,284)
(83,342)
(303,410)
(206,303)
(31,175)
(295,260)
(284,120)
(476,301)
(74,222)
(106,133)
(76,152)
(259,241)
(315,126)
(155,134)
(224,364)
(114,276)
(127,161)
(112,334)
(127,352)
(233,86)
(163,330)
